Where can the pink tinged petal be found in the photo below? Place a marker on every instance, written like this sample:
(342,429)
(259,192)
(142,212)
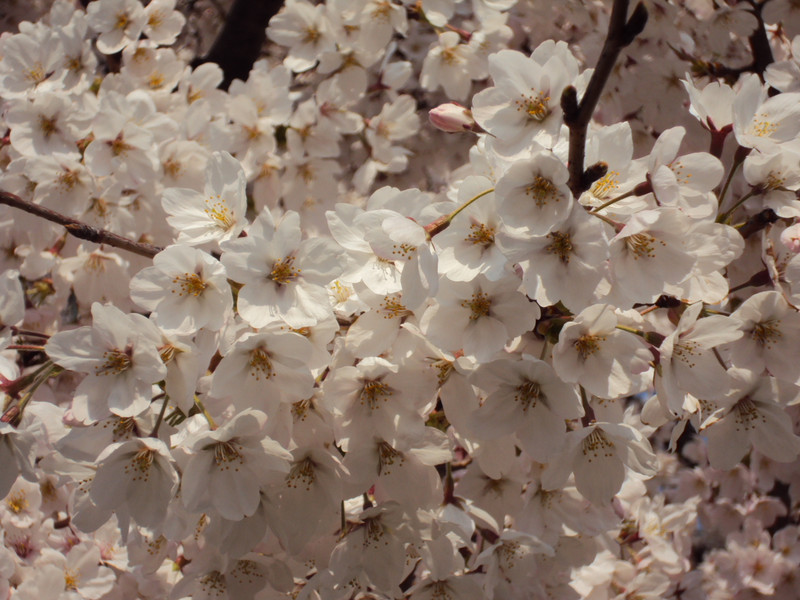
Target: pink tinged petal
(320,260)
(666,147)
(727,443)
(559,467)
(541,433)
(73,350)
(148,287)
(127,398)
(236,494)
(599,473)
(310,306)
(773,435)
(110,484)
(182,201)
(148,500)
(498,417)
(419,279)
(195,488)
(484,337)
(633,448)
(699,171)
(111,325)
(372,334)
(225,176)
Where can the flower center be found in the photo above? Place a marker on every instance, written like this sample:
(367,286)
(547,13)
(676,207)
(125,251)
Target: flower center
(119,147)
(747,415)
(139,467)
(763,127)
(535,105)
(71,579)
(48,126)
(596,443)
(227,452)
(481,235)
(479,304)
(393,308)
(387,456)
(155,19)
(686,352)
(373,393)
(302,473)
(586,345)
(542,190)
(17,502)
(560,245)
(404,250)
(218,210)
(284,271)
(189,284)
(527,394)
(312,34)
(123,429)
(116,362)
(603,187)
(642,245)
(36,74)
(766,332)
(260,364)
(214,584)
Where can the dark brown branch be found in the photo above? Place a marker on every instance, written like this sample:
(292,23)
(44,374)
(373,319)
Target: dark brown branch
(80,229)
(239,43)
(621,32)
(759,44)
(757,222)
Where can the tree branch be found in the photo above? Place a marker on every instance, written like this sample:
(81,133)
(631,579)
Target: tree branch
(621,32)
(239,43)
(759,43)
(80,229)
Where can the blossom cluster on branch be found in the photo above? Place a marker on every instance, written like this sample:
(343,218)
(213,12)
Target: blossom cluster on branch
(449,299)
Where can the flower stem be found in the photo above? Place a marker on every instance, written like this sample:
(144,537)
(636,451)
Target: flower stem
(43,374)
(443,223)
(627,194)
(206,414)
(729,213)
(160,418)
(737,162)
(80,229)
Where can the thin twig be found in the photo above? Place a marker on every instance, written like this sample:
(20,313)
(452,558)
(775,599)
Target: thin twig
(80,229)
(621,32)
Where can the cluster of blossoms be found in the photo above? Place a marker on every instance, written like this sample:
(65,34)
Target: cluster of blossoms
(341,362)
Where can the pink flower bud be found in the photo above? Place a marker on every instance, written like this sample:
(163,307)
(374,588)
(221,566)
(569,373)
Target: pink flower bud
(452,118)
(791,238)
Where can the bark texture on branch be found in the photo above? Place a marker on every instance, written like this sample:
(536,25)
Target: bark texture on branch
(621,32)
(239,43)
(79,229)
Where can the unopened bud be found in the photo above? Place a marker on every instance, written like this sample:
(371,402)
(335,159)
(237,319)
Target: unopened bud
(791,238)
(452,118)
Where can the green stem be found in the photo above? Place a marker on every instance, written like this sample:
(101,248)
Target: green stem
(206,414)
(443,222)
(617,226)
(738,162)
(43,375)
(729,213)
(160,418)
(452,215)
(627,194)
(631,330)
